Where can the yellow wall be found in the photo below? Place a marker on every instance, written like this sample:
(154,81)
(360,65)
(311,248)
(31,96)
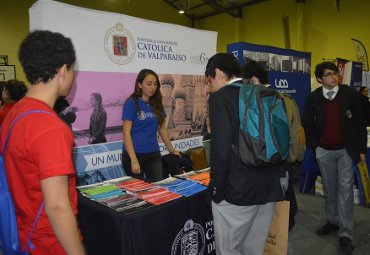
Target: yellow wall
(329,32)
(261,24)
(14,21)
(323,30)
(326,32)
(316,26)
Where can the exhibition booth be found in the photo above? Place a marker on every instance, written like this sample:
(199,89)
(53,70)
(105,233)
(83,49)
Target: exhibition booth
(109,57)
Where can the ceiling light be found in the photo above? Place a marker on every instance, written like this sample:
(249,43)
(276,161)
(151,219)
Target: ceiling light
(181,10)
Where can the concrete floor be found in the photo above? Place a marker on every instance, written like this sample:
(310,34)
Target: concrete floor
(304,240)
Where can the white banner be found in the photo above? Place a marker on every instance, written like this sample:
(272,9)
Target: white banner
(111,42)
(111,49)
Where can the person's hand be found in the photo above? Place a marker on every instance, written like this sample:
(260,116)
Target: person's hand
(69,109)
(73,109)
(176,152)
(135,167)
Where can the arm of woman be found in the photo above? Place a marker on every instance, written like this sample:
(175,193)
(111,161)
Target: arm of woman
(60,214)
(166,139)
(129,145)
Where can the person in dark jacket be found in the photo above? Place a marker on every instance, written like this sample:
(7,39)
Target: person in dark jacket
(66,112)
(364,92)
(335,130)
(254,73)
(243,197)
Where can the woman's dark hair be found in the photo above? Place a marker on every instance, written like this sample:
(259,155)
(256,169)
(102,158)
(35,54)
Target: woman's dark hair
(98,98)
(16,89)
(42,53)
(155,101)
(2,86)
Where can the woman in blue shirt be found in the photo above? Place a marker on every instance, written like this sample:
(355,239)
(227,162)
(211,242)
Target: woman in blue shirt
(143,116)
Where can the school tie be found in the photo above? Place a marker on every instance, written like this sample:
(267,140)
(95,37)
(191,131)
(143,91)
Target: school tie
(330,95)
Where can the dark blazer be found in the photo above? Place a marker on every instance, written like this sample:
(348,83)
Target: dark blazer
(366,108)
(231,179)
(351,120)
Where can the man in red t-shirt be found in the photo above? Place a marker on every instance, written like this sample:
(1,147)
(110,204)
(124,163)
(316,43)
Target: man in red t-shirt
(38,158)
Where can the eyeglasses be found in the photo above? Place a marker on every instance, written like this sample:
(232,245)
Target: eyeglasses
(330,74)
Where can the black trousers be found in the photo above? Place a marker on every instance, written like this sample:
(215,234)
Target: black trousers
(150,165)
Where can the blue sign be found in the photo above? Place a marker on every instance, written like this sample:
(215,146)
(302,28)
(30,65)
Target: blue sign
(289,71)
(98,162)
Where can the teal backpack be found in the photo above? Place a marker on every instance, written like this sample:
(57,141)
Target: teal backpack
(264,130)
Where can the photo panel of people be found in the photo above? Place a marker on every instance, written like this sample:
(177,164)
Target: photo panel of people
(97,101)
(277,62)
(98,98)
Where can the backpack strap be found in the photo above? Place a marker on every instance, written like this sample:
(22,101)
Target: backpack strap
(29,243)
(14,122)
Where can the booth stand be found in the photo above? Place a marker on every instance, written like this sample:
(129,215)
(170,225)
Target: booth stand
(173,228)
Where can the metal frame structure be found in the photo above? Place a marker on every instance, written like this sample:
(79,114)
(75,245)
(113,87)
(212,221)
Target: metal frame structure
(200,9)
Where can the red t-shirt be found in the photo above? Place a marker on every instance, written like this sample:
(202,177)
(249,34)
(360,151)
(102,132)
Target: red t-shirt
(40,146)
(4,111)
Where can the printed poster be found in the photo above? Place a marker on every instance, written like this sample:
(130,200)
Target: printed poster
(111,49)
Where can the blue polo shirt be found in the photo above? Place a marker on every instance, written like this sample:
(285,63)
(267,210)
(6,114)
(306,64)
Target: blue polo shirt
(144,126)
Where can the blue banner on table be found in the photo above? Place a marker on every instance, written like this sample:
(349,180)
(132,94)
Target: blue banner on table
(98,162)
(289,71)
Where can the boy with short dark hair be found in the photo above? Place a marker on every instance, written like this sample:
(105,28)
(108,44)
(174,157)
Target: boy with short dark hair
(38,158)
(243,197)
(335,130)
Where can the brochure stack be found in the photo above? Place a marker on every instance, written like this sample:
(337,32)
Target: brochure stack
(129,195)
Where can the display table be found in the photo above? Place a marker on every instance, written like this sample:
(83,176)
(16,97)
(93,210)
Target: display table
(182,226)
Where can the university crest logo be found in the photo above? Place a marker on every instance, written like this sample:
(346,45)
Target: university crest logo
(119,45)
(190,240)
(141,115)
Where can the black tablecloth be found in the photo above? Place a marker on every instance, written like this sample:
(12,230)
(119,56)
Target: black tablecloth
(182,226)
